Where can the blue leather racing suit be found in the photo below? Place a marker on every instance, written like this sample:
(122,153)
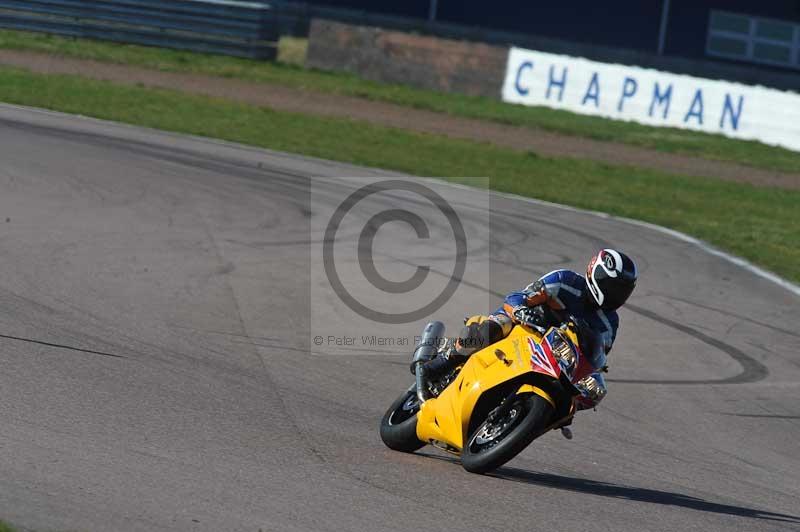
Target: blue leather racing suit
(561,294)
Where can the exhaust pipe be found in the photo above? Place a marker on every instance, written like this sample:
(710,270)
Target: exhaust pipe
(432,337)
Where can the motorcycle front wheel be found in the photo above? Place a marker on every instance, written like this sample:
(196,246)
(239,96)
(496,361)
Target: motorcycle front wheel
(496,441)
(399,424)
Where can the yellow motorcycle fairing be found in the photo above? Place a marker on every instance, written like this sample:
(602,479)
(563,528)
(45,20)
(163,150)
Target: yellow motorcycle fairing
(444,420)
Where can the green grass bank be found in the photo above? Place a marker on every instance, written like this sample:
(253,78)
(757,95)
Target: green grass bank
(289,72)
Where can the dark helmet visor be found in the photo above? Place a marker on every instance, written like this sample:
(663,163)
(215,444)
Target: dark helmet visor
(617,292)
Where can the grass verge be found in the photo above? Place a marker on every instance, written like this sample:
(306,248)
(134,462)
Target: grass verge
(6,527)
(760,224)
(292,51)
(289,72)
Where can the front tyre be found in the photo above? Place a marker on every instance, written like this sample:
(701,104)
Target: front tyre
(399,424)
(496,441)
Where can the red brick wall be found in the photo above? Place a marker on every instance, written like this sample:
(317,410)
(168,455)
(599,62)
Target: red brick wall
(417,60)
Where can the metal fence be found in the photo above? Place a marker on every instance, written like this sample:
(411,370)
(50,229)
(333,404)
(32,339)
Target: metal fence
(245,29)
(294,18)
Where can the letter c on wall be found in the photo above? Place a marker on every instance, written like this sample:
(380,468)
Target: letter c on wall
(522,91)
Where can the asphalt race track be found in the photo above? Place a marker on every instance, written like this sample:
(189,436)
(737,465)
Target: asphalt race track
(157,372)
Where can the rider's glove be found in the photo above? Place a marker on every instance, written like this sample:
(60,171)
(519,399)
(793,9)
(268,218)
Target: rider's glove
(529,315)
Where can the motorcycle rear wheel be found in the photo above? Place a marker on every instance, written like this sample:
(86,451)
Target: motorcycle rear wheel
(399,424)
(495,442)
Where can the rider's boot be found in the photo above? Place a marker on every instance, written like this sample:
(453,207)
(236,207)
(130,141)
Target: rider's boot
(445,361)
(475,335)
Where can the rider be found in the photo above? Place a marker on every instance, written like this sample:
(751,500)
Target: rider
(550,301)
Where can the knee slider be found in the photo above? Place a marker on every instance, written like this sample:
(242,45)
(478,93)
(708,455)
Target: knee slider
(490,332)
(469,339)
(476,336)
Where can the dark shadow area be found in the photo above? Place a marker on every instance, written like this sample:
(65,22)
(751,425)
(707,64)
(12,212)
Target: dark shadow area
(632,493)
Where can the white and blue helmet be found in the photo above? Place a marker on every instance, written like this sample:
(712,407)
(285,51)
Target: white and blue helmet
(610,278)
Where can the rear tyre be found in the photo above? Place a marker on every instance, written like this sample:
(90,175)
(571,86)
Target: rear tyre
(399,424)
(497,441)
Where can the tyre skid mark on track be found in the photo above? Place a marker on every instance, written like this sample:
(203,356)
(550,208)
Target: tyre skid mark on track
(136,348)
(380,484)
(60,346)
(66,132)
(730,314)
(306,439)
(707,248)
(753,370)
(279,398)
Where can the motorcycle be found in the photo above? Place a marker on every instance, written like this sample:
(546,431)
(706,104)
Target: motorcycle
(501,399)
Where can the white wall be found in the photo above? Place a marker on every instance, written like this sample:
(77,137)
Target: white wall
(653,97)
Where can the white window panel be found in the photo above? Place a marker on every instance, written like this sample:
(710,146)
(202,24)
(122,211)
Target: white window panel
(775,31)
(755,39)
(772,52)
(725,45)
(730,22)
